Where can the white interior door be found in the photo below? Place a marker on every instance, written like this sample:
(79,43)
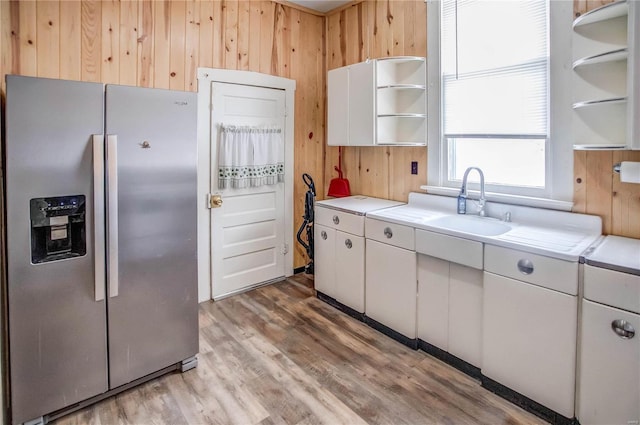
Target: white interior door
(248,229)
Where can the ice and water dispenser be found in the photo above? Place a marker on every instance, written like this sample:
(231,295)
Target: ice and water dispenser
(57,228)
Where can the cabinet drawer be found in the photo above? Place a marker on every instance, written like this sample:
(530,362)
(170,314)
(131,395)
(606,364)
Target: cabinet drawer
(343,221)
(390,233)
(613,288)
(450,248)
(551,273)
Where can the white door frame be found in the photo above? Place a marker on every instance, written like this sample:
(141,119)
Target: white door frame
(206,76)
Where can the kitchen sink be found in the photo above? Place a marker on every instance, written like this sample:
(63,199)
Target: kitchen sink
(483,226)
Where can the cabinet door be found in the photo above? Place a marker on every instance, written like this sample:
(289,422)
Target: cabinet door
(324,259)
(529,341)
(361,104)
(433,301)
(390,289)
(608,391)
(349,267)
(465,313)
(338,107)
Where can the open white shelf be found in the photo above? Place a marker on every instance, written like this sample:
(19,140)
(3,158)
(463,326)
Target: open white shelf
(600,102)
(591,147)
(401,101)
(403,86)
(606,86)
(403,71)
(603,13)
(401,130)
(606,57)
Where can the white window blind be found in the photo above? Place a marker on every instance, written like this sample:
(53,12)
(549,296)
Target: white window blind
(495,68)
(498,70)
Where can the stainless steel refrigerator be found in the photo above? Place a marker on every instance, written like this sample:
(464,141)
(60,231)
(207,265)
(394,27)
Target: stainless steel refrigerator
(100,240)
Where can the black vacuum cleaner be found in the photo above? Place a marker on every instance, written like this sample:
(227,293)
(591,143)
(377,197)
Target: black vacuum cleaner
(307,223)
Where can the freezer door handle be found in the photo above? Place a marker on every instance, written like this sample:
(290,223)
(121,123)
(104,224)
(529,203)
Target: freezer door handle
(98,216)
(112,216)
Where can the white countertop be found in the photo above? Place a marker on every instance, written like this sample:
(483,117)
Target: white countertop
(358,204)
(616,253)
(555,234)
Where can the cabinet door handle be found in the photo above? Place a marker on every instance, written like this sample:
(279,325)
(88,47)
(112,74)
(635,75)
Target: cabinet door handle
(336,219)
(388,232)
(348,243)
(525,266)
(623,329)
(323,235)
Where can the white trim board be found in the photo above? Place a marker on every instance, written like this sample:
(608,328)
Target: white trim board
(206,76)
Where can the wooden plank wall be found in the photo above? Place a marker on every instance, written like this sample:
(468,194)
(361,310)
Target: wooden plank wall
(597,189)
(376,29)
(161,43)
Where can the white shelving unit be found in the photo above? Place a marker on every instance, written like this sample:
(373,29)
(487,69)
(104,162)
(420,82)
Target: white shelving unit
(606,70)
(401,101)
(378,102)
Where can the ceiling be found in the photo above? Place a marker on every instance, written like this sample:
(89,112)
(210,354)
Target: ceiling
(320,5)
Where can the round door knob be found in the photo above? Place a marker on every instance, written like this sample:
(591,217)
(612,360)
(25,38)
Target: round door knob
(388,232)
(623,329)
(336,219)
(323,235)
(348,243)
(215,201)
(525,266)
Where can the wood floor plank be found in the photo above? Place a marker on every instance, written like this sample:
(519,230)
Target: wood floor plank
(278,355)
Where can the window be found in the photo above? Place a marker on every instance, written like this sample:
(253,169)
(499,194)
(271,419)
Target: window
(498,95)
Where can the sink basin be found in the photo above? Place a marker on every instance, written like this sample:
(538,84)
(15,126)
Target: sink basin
(483,226)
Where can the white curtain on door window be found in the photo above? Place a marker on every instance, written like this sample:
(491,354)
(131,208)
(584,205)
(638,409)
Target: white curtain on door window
(250,157)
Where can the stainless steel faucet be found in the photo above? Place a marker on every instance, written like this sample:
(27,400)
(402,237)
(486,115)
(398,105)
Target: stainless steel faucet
(462,198)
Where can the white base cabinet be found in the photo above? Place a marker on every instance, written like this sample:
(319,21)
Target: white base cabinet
(349,270)
(465,313)
(341,272)
(324,239)
(433,301)
(339,247)
(529,341)
(609,356)
(390,297)
(609,382)
(450,307)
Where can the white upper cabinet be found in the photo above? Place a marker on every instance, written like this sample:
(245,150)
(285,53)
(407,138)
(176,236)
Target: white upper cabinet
(378,102)
(606,89)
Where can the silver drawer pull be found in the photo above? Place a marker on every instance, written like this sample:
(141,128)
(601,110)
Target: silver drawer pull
(348,243)
(323,235)
(525,266)
(336,219)
(623,329)
(388,232)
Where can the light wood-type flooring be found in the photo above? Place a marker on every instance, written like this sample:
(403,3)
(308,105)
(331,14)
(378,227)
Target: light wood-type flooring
(278,355)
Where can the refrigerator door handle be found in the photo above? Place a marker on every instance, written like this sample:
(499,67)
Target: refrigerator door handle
(98,216)
(112,216)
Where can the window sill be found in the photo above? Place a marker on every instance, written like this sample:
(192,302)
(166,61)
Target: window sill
(550,204)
